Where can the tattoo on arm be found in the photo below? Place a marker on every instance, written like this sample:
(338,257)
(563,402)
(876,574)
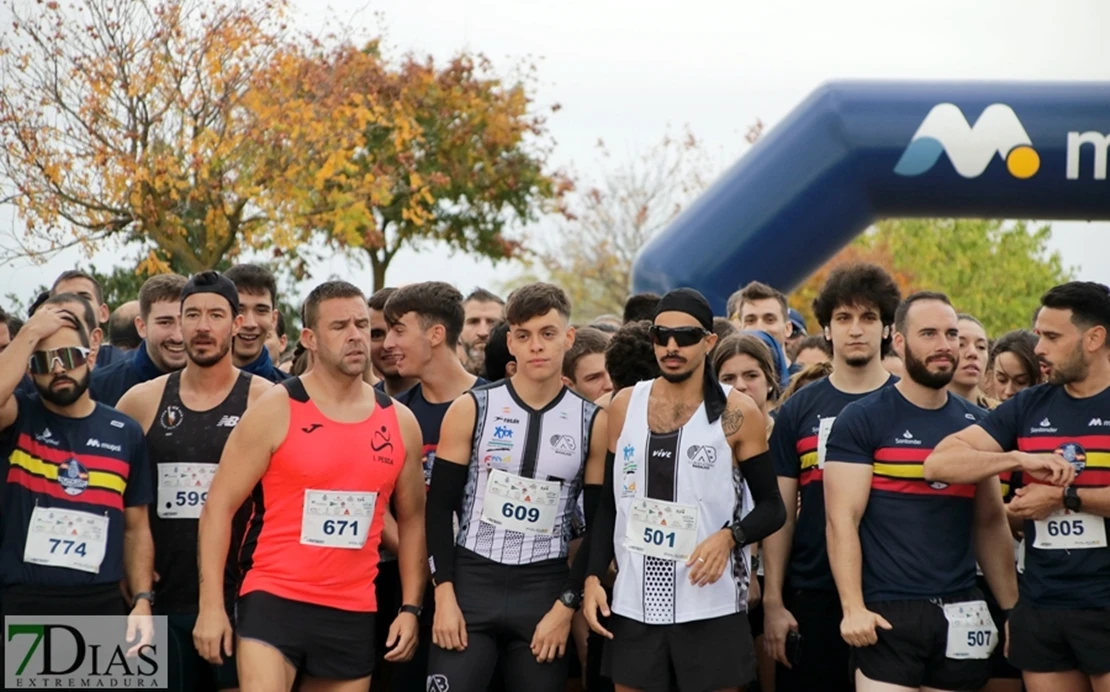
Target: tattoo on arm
(731,420)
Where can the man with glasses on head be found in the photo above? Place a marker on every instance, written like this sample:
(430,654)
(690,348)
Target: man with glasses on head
(67,460)
(672,516)
(86,286)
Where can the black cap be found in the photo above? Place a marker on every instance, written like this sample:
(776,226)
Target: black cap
(212,282)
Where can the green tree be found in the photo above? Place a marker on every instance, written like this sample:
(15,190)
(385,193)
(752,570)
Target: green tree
(994,270)
(381,155)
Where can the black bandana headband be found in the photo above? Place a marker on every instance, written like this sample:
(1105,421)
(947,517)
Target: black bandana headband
(694,304)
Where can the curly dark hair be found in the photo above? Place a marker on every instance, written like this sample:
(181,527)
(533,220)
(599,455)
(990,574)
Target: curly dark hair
(641,306)
(858,284)
(497,352)
(630,357)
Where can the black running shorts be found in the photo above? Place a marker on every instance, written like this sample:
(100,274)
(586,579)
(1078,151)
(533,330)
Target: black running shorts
(690,656)
(319,641)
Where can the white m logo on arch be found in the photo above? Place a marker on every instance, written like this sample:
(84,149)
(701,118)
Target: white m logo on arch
(970,148)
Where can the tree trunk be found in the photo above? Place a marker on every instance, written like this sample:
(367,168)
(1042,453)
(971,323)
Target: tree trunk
(379,264)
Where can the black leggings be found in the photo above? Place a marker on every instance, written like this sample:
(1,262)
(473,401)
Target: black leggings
(502,605)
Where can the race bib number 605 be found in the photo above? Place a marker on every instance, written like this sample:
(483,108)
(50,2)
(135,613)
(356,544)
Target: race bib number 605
(1067,530)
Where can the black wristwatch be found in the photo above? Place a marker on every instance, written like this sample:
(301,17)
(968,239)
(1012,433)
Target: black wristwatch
(738,534)
(143,595)
(414,609)
(571,599)
(1071,498)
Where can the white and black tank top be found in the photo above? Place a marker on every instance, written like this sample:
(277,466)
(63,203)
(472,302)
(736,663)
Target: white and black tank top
(549,445)
(692,467)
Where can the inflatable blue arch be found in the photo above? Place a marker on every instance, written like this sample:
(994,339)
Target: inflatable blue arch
(855,152)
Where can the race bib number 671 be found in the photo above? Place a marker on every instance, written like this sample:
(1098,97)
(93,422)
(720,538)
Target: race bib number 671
(337,518)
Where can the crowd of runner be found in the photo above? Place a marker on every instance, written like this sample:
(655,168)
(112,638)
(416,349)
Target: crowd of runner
(439,493)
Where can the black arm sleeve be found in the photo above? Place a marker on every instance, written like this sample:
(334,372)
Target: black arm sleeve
(599,530)
(769,514)
(444,495)
(581,561)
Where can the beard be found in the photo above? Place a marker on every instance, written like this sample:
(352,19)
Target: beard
(1071,370)
(859,361)
(207,361)
(676,377)
(64,397)
(918,371)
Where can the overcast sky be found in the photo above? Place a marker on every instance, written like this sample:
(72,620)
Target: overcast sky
(624,70)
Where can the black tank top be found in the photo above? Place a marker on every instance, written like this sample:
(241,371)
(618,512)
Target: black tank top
(184,446)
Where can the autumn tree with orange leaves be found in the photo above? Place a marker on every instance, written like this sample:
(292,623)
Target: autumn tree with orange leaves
(378,155)
(127,121)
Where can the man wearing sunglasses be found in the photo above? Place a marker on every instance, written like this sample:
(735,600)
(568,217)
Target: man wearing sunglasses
(188,416)
(68,461)
(673,513)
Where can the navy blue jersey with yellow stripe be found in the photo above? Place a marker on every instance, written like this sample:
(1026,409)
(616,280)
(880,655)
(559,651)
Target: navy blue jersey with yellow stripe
(96,464)
(1047,419)
(915,535)
(794,451)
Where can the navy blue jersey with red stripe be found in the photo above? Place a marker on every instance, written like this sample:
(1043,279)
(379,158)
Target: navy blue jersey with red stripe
(97,464)
(915,535)
(1047,419)
(430,417)
(794,451)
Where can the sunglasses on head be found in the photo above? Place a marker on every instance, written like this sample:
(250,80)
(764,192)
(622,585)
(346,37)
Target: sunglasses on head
(70,357)
(683,336)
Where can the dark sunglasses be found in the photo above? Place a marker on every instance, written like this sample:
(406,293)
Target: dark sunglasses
(683,336)
(42,362)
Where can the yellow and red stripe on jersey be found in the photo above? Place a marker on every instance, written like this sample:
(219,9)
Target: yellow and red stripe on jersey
(1096,472)
(34,466)
(902,470)
(807,455)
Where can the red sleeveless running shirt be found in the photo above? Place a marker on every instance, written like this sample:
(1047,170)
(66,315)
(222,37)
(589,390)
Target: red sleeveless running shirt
(318,511)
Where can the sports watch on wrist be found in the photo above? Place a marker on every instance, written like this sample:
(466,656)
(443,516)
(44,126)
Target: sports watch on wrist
(414,609)
(1071,498)
(571,599)
(143,595)
(738,534)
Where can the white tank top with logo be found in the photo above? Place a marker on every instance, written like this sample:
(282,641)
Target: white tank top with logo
(672,492)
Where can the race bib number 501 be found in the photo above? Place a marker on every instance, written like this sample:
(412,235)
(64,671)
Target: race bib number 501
(662,529)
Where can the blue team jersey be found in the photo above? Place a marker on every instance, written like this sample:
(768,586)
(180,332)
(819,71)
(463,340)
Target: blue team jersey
(97,464)
(794,443)
(430,417)
(1046,419)
(915,535)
